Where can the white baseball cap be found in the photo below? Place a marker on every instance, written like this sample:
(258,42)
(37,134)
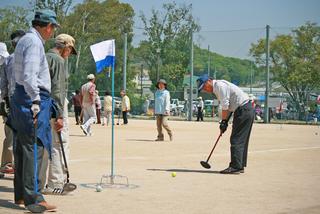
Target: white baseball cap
(3,50)
(90,77)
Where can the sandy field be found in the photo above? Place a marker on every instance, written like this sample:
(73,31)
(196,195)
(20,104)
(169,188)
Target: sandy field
(282,175)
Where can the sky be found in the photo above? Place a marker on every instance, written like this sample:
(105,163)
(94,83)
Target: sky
(229,26)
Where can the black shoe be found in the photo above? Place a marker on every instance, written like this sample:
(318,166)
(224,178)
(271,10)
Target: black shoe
(231,170)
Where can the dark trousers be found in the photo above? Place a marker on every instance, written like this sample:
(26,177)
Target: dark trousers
(24,169)
(241,128)
(125,118)
(200,114)
(77,112)
(98,113)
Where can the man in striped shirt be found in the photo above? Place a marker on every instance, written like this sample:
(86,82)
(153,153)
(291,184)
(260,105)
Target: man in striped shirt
(31,110)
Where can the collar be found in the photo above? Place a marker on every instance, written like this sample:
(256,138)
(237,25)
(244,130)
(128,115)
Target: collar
(34,31)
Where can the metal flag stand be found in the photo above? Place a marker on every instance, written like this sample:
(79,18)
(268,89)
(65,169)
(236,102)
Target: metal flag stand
(112,180)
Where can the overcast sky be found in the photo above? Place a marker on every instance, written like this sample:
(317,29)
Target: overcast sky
(238,22)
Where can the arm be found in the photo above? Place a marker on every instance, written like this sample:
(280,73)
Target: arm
(56,70)
(3,81)
(167,103)
(31,71)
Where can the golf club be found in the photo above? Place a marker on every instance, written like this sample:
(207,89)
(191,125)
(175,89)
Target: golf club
(67,186)
(35,208)
(205,164)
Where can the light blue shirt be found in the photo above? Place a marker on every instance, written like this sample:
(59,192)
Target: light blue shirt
(30,64)
(162,102)
(7,83)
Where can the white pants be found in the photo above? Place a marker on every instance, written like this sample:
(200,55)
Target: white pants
(89,116)
(56,174)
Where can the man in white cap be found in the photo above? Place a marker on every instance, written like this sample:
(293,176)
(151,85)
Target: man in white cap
(88,92)
(31,109)
(56,57)
(200,107)
(232,99)
(7,85)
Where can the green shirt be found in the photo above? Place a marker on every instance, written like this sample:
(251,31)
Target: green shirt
(58,75)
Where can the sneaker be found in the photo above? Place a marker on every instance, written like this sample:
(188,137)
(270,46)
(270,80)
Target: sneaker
(231,170)
(49,207)
(7,169)
(84,129)
(159,139)
(54,191)
(20,203)
(41,207)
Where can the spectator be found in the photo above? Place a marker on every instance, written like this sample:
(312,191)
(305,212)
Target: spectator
(76,101)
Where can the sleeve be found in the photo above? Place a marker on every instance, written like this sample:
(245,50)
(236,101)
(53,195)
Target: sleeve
(223,93)
(167,104)
(31,70)
(3,81)
(55,69)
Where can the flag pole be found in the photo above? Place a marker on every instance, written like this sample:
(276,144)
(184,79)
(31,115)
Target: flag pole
(112,126)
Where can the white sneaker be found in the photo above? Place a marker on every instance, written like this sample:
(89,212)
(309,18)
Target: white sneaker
(84,129)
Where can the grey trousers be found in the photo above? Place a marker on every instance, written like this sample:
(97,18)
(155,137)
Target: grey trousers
(7,154)
(162,121)
(24,171)
(241,128)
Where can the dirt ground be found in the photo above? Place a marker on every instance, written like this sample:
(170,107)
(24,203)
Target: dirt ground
(282,175)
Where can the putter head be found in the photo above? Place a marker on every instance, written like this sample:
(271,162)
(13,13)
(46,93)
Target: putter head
(205,164)
(36,208)
(69,187)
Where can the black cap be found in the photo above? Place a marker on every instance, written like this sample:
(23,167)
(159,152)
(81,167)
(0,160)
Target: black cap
(17,33)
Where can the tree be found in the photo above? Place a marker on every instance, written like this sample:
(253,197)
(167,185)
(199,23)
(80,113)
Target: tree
(11,19)
(295,62)
(168,41)
(92,22)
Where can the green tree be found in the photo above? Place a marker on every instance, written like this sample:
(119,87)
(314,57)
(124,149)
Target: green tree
(295,62)
(11,19)
(168,42)
(91,22)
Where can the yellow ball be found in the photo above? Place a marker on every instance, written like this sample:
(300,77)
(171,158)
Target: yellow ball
(173,174)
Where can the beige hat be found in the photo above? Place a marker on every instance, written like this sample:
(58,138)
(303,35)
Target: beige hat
(90,77)
(199,98)
(66,40)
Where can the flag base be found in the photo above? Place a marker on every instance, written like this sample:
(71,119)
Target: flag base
(115,181)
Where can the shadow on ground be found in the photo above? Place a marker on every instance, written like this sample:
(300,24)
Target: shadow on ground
(186,170)
(9,204)
(6,189)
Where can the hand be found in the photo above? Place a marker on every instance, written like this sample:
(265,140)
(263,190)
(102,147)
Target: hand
(35,108)
(223,126)
(58,125)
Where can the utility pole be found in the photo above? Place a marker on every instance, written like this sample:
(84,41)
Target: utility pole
(266,105)
(158,62)
(251,78)
(125,62)
(209,60)
(141,75)
(191,80)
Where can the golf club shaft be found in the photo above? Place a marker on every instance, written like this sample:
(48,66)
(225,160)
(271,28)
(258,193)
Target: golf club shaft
(213,147)
(229,116)
(64,155)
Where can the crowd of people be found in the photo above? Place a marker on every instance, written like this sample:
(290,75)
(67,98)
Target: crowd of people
(34,107)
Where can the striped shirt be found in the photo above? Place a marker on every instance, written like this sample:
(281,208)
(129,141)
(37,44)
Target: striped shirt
(30,64)
(229,95)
